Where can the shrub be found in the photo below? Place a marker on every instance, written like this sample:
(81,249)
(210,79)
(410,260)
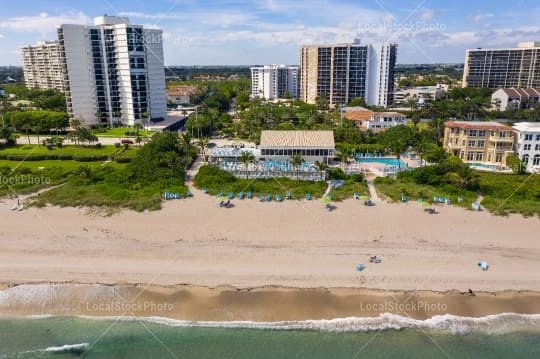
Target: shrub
(117,144)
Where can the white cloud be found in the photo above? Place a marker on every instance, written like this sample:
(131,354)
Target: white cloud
(43,23)
(426,14)
(480,17)
(209,18)
(2,36)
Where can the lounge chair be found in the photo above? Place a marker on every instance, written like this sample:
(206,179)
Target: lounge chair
(288,195)
(240,195)
(268,197)
(404,198)
(189,194)
(355,195)
(278,198)
(308,196)
(476,206)
(249,195)
(230,195)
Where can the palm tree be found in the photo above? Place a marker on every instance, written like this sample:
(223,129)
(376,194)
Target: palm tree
(37,129)
(76,123)
(203,143)
(296,161)
(144,119)
(26,128)
(186,143)
(246,158)
(321,166)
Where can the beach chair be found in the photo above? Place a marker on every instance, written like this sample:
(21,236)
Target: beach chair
(420,199)
(230,195)
(189,194)
(369,203)
(476,206)
(220,194)
(404,198)
(204,190)
(278,198)
(308,196)
(249,195)
(268,197)
(288,195)
(240,195)
(355,195)
(261,198)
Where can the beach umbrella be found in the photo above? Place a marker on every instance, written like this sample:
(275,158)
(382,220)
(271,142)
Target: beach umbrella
(325,199)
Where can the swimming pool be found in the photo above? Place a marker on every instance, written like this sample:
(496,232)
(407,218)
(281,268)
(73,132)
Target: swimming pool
(387,161)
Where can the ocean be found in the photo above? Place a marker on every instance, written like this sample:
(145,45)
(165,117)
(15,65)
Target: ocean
(389,336)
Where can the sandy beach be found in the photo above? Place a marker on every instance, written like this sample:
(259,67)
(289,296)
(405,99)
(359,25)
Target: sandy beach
(292,244)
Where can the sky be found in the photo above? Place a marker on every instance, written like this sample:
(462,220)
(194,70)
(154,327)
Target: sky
(246,32)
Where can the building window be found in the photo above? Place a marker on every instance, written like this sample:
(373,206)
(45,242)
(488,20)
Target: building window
(470,156)
(528,137)
(481,143)
(479,156)
(527,147)
(482,133)
(498,157)
(471,143)
(536,160)
(472,133)
(538,137)
(525,160)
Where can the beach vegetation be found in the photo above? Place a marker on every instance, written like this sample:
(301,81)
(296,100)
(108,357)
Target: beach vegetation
(215,181)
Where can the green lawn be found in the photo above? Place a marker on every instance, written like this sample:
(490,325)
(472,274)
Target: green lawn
(30,153)
(121,132)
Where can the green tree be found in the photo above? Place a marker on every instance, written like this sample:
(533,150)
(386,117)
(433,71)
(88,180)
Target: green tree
(322,102)
(397,139)
(246,158)
(357,101)
(185,139)
(296,161)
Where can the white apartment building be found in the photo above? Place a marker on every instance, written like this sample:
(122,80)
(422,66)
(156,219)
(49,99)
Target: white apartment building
(515,98)
(114,71)
(527,144)
(347,71)
(274,81)
(421,94)
(42,66)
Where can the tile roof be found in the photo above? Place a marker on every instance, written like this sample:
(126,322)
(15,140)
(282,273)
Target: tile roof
(297,139)
(483,125)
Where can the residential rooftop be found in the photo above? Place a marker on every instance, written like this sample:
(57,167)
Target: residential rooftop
(488,125)
(527,126)
(298,139)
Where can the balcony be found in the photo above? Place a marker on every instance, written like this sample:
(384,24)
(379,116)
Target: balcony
(501,139)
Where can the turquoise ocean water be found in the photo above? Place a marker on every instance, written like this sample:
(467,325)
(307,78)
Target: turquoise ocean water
(72,337)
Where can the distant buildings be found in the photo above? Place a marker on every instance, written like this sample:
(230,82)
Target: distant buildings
(42,66)
(503,68)
(481,144)
(274,81)
(420,94)
(527,140)
(515,98)
(377,121)
(181,95)
(343,72)
(112,72)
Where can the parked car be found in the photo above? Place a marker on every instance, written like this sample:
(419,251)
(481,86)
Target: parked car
(126,141)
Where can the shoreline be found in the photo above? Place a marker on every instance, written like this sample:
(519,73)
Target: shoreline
(255,304)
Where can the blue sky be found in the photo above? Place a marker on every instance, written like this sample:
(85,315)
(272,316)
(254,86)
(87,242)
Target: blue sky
(270,31)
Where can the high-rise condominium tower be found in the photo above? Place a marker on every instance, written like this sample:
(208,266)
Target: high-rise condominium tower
(274,81)
(114,71)
(42,66)
(503,68)
(343,72)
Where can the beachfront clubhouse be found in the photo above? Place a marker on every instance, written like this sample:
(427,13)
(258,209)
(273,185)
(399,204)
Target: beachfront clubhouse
(273,155)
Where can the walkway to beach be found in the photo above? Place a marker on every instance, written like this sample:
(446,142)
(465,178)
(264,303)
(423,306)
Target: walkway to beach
(371,188)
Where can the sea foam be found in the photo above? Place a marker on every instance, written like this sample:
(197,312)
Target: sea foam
(491,324)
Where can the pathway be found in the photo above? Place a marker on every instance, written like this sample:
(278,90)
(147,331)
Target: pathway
(371,188)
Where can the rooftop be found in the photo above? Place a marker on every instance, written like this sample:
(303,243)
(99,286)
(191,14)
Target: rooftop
(181,90)
(298,139)
(521,92)
(484,125)
(527,126)
(363,114)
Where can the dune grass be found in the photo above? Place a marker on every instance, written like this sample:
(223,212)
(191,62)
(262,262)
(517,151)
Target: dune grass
(215,180)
